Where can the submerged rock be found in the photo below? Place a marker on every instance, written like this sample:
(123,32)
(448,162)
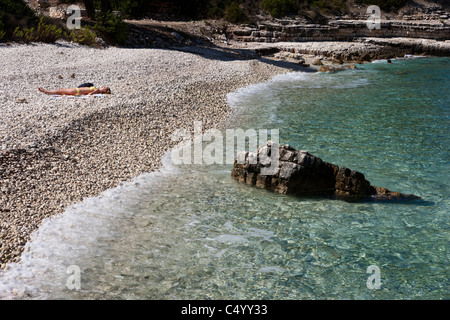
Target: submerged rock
(285,170)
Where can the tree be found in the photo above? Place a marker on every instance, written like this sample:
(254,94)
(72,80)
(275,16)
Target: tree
(90,9)
(106,6)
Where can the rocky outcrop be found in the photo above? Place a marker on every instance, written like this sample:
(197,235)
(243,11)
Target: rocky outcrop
(337,30)
(336,55)
(394,39)
(285,170)
(331,68)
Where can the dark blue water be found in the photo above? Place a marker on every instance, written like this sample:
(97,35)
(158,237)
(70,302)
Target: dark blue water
(191,232)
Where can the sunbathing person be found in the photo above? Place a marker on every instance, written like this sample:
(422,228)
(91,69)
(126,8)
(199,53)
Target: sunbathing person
(78,91)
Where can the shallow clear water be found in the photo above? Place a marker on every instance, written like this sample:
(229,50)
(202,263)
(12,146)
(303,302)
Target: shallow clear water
(191,232)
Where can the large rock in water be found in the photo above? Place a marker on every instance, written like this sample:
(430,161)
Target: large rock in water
(288,171)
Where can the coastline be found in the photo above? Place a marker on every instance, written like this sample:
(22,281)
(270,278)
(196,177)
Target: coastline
(56,152)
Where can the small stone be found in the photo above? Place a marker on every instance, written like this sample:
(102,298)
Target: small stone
(177,36)
(318,62)
(241,156)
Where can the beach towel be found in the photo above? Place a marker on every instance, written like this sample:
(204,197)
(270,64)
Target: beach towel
(57,97)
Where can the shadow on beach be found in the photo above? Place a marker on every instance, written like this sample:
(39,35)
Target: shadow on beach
(230,54)
(163,37)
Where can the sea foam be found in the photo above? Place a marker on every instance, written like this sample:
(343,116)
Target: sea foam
(66,239)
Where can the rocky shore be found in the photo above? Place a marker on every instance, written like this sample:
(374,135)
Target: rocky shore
(358,51)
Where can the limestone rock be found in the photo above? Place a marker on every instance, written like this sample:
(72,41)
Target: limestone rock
(318,62)
(332,68)
(57,13)
(349,182)
(285,170)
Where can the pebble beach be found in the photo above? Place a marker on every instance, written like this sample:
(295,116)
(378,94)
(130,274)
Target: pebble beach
(56,151)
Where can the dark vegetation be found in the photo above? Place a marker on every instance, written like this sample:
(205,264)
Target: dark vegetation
(18,22)
(14,13)
(386,5)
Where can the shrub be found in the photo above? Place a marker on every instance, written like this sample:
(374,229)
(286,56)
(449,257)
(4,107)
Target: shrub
(197,9)
(25,35)
(45,32)
(330,6)
(15,13)
(280,8)
(386,5)
(2,32)
(2,28)
(111,27)
(83,36)
(234,13)
(42,33)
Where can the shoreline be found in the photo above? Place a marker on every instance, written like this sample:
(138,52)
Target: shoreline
(56,152)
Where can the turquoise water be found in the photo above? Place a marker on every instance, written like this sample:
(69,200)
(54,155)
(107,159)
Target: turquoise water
(191,232)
